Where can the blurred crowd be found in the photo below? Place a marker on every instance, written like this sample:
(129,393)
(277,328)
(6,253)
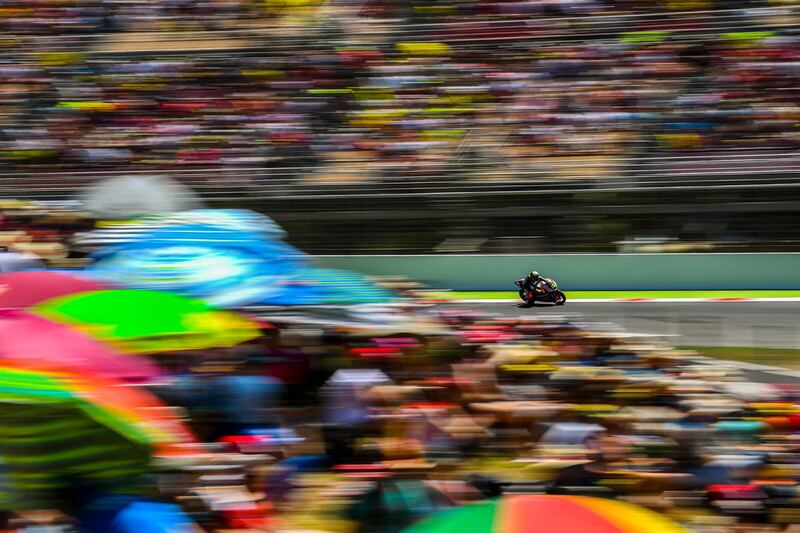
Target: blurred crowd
(40,233)
(339,429)
(419,101)
(341,419)
(518,406)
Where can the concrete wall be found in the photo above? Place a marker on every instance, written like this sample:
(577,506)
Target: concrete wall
(587,271)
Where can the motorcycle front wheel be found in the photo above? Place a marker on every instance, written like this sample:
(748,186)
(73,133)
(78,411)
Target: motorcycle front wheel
(559,298)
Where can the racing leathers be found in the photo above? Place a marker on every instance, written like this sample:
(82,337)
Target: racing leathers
(536,285)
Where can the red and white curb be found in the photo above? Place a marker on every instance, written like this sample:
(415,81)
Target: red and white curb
(624,300)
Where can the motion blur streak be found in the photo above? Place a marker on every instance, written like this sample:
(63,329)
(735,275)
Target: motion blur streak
(175,355)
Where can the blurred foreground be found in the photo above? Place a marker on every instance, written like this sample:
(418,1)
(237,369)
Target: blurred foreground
(373,427)
(133,403)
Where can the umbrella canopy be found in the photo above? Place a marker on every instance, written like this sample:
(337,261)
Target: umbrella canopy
(548,514)
(229,267)
(149,321)
(132,412)
(229,257)
(28,341)
(224,277)
(20,290)
(127,197)
(60,431)
(226,267)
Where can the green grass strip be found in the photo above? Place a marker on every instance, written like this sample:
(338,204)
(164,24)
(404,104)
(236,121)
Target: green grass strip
(587,295)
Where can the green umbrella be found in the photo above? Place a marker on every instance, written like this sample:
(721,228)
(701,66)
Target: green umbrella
(149,321)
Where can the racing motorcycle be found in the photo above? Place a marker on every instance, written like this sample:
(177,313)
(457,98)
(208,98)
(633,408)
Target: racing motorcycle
(551,293)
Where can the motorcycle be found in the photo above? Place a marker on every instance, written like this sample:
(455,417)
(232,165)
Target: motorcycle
(551,293)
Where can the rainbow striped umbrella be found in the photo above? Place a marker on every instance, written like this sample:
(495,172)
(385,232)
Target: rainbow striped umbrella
(132,412)
(58,430)
(548,514)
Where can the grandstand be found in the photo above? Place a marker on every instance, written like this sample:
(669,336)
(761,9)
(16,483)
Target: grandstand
(409,127)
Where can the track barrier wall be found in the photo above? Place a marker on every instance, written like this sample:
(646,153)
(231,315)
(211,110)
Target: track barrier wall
(698,271)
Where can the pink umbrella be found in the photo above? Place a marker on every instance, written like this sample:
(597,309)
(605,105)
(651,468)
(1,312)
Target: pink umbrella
(30,342)
(20,290)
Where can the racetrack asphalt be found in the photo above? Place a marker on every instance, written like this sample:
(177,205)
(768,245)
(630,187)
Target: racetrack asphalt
(751,324)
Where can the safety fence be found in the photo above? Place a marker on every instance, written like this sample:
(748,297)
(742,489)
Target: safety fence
(371,178)
(511,22)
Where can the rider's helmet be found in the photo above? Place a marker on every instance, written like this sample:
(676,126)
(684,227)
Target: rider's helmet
(534,275)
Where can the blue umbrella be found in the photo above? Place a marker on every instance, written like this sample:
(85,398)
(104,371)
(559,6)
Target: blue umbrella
(229,266)
(225,267)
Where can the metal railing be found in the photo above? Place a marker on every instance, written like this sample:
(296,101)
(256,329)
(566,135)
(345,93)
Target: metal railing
(477,30)
(728,171)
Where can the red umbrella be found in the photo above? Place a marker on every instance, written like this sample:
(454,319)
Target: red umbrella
(30,342)
(20,290)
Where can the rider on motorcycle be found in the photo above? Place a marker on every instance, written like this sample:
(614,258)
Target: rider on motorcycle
(535,287)
(535,282)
